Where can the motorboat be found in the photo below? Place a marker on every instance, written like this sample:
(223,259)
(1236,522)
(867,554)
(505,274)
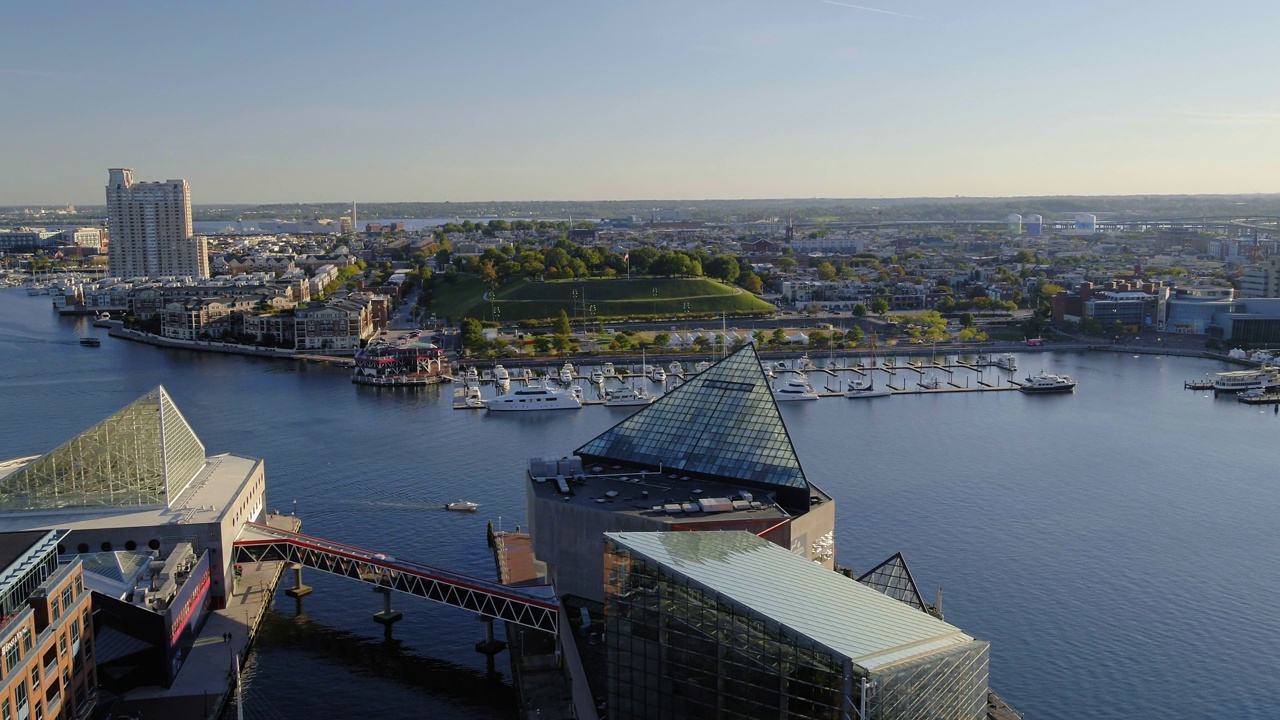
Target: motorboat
(865,389)
(1252,394)
(983,361)
(90,341)
(702,365)
(1007,362)
(797,388)
(1047,382)
(628,396)
(462,506)
(658,375)
(608,370)
(597,377)
(473,398)
(768,370)
(1238,380)
(804,363)
(833,364)
(567,373)
(530,399)
(471,376)
(500,374)
(675,368)
(780,365)
(930,383)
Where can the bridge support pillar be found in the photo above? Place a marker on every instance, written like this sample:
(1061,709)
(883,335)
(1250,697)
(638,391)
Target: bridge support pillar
(489,646)
(298,590)
(387,617)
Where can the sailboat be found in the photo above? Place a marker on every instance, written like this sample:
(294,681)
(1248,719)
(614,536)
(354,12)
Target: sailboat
(859,389)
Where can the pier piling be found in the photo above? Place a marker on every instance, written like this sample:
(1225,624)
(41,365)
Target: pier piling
(387,617)
(489,647)
(298,590)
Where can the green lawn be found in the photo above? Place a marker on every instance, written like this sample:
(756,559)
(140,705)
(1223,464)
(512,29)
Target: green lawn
(616,298)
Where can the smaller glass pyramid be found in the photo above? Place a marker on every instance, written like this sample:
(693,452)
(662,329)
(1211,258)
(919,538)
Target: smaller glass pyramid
(893,578)
(722,423)
(142,455)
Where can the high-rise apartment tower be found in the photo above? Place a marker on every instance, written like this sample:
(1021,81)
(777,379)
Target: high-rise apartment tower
(150,228)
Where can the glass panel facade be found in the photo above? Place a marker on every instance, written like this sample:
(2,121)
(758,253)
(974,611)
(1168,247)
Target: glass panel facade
(678,651)
(723,422)
(142,455)
(892,578)
(938,686)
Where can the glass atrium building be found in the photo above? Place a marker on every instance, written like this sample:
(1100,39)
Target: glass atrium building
(728,625)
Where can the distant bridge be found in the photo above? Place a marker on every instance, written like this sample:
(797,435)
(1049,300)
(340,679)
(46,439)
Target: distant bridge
(261,543)
(1255,223)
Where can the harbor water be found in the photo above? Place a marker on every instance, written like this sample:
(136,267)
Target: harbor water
(1117,545)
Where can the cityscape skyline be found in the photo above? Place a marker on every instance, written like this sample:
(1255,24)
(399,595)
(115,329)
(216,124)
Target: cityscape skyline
(807,98)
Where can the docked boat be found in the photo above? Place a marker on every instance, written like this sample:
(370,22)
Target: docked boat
(1007,362)
(768,370)
(471,376)
(1047,382)
(608,370)
(462,506)
(866,389)
(658,375)
(536,398)
(527,373)
(474,399)
(797,388)
(930,383)
(567,373)
(500,374)
(628,396)
(597,377)
(675,368)
(1239,380)
(90,341)
(702,365)
(1252,394)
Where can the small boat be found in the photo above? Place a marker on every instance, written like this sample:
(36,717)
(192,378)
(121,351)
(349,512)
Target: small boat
(675,368)
(780,365)
(768,370)
(90,341)
(982,361)
(658,375)
(471,376)
(930,383)
(804,363)
(797,388)
(867,389)
(597,377)
(833,365)
(500,374)
(1252,394)
(1045,382)
(462,506)
(536,398)
(474,399)
(627,397)
(567,373)
(702,365)
(103,315)
(1007,362)
(608,370)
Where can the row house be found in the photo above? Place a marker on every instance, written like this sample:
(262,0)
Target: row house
(336,325)
(201,319)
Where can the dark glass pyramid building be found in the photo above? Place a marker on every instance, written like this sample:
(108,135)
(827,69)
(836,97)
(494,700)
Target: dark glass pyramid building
(723,423)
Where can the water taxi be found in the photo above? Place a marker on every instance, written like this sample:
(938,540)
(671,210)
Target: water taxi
(1238,380)
(1047,382)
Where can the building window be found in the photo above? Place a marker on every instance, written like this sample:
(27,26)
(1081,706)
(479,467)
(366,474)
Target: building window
(35,678)
(11,657)
(54,609)
(62,645)
(26,639)
(79,584)
(67,596)
(6,710)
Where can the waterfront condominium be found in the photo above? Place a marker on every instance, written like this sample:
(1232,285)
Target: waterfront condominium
(149,225)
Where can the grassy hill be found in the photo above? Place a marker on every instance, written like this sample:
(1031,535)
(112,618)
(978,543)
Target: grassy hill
(614,298)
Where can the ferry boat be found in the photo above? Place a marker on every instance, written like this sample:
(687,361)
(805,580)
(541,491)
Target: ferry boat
(536,398)
(628,396)
(415,363)
(90,341)
(797,388)
(1047,382)
(1007,362)
(1238,380)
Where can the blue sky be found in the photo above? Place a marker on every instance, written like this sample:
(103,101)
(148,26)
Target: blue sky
(617,99)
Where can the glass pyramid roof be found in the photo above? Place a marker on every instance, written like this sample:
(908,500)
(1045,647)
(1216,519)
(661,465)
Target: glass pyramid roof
(893,578)
(723,422)
(143,455)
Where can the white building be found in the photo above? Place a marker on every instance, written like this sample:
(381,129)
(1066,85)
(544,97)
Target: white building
(150,229)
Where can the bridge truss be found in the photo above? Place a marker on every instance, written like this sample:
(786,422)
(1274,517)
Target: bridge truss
(260,543)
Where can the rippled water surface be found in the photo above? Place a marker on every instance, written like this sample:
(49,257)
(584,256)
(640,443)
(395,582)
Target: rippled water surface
(1117,546)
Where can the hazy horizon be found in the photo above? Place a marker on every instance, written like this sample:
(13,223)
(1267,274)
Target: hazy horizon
(260,103)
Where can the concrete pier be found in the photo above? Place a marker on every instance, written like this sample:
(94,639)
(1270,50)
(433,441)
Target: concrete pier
(387,617)
(298,590)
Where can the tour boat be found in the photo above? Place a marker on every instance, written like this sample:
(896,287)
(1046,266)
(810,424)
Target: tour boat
(1007,362)
(628,396)
(536,398)
(1046,382)
(462,506)
(1237,380)
(797,388)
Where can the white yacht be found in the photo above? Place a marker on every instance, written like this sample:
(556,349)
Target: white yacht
(658,375)
(597,377)
(702,365)
(527,373)
(500,374)
(1047,382)
(608,370)
(1237,380)
(628,396)
(529,399)
(474,399)
(462,506)
(675,368)
(866,389)
(797,388)
(566,373)
(471,375)
(768,370)
(804,363)
(1007,362)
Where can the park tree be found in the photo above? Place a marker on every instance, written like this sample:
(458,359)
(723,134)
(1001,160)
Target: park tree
(855,334)
(859,310)
(542,344)
(879,306)
(561,326)
(779,337)
(473,341)
(751,282)
(722,267)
